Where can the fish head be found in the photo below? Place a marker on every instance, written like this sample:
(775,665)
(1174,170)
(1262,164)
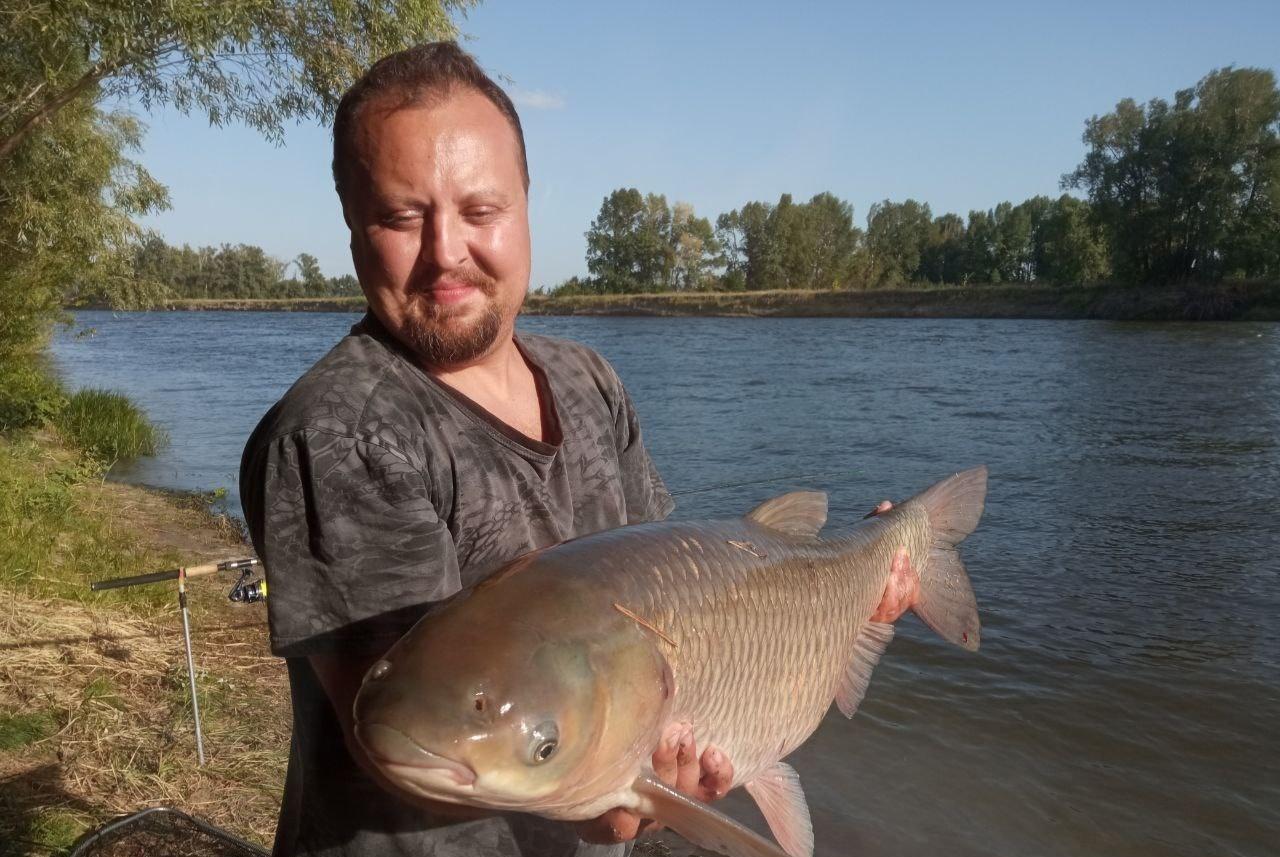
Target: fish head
(510,716)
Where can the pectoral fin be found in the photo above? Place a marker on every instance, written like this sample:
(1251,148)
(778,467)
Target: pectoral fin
(698,822)
(778,794)
(867,649)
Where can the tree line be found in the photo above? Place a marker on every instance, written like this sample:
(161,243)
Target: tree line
(1173,192)
(234,271)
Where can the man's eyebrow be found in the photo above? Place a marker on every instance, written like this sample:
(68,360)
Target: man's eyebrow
(486,193)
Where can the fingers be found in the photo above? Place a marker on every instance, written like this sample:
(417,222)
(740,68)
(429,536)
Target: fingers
(666,757)
(687,768)
(616,825)
(717,775)
(675,762)
(885,505)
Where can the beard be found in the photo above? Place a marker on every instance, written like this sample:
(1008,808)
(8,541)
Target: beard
(444,335)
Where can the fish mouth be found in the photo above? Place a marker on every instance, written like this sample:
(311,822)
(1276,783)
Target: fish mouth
(408,760)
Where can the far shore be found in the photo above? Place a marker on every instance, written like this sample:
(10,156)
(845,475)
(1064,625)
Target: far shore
(1249,301)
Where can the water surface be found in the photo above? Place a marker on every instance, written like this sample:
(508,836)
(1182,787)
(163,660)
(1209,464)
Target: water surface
(1127,694)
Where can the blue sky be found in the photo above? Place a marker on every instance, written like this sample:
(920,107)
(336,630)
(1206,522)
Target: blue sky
(958,104)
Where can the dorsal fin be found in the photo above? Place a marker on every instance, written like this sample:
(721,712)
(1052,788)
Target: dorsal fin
(801,513)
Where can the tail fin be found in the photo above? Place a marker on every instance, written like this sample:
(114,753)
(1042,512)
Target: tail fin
(946,602)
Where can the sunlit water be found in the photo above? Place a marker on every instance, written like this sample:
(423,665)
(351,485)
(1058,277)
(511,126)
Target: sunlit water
(1126,700)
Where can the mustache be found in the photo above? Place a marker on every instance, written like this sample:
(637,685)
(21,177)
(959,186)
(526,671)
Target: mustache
(467,276)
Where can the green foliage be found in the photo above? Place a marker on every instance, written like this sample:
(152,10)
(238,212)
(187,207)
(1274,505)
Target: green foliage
(67,202)
(29,394)
(1189,189)
(108,426)
(1070,247)
(260,62)
(20,728)
(897,236)
(809,245)
(638,243)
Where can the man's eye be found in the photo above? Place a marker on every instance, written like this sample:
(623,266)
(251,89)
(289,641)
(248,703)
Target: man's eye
(481,213)
(403,218)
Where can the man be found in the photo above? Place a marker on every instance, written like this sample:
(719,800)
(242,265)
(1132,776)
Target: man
(429,447)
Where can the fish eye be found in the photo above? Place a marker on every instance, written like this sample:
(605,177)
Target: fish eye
(545,738)
(380,670)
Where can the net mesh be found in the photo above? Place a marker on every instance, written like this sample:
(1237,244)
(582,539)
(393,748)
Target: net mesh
(162,832)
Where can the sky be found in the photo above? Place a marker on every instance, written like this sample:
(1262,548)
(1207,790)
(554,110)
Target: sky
(958,104)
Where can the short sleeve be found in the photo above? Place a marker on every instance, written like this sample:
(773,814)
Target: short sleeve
(353,548)
(646,494)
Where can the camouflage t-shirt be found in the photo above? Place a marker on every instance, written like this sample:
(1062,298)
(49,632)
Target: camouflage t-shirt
(371,490)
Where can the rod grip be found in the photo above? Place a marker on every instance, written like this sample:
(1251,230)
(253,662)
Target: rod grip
(156,576)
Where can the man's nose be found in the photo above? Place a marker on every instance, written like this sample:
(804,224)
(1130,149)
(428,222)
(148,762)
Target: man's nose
(444,244)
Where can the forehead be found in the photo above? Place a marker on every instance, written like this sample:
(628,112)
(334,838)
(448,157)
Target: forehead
(458,140)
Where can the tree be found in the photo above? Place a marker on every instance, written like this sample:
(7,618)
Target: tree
(313,280)
(260,63)
(67,202)
(897,235)
(1189,189)
(763,250)
(627,249)
(1070,247)
(818,242)
(697,252)
(942,259)
(732,236)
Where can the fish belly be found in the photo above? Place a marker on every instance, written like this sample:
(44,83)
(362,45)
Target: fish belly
(758,626)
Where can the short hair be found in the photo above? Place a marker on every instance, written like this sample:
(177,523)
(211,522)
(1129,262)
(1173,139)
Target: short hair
(423,73)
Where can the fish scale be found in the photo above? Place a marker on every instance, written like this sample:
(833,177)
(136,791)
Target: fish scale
(808,598)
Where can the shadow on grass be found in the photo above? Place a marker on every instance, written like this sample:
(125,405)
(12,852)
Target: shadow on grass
(37,815)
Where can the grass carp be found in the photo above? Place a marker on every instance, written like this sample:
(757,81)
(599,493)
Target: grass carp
(545,688)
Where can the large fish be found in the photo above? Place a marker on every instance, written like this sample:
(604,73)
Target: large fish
(545,689)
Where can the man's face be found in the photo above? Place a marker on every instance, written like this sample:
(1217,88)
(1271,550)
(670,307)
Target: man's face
(440,225)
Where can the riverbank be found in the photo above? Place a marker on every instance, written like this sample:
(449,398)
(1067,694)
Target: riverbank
(95,718)
(1246,301)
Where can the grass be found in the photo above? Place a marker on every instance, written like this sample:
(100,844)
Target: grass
(54,539)
(108,426)
(95,720)
(20,728)
(55,830)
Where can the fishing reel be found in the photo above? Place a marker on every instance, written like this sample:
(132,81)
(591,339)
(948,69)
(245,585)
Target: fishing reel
(247,590)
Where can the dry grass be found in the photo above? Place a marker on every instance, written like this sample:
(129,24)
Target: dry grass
(112,691)
(95,718)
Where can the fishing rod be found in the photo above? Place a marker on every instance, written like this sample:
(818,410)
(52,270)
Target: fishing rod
(246,590)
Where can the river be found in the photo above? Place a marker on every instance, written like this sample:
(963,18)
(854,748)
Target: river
(1126,699)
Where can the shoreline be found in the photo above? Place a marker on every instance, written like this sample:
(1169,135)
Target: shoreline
(1242,301)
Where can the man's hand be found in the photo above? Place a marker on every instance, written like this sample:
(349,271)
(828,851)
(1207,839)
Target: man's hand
(676,763)
(903,588)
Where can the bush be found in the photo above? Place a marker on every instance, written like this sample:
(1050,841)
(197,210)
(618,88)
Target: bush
(108,426)
(29,394)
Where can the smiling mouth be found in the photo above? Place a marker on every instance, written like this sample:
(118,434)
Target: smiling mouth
(392,749)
